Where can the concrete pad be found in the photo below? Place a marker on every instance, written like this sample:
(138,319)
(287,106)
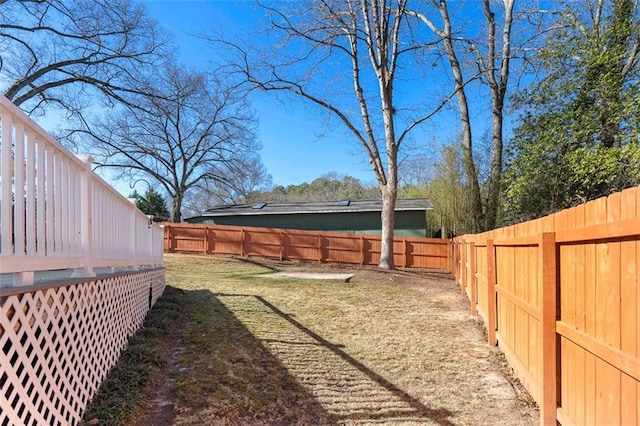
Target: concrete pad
(309,276)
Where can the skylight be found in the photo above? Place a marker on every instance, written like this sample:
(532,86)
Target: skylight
(344,203)
(258,206)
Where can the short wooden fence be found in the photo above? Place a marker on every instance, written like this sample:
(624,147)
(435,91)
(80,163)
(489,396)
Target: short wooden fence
(560,296)
(287,244)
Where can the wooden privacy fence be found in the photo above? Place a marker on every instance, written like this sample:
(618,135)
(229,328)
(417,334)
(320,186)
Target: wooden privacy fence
(323,247)
(560,296)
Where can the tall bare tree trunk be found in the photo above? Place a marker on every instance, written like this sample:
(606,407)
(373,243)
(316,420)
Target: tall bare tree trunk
(389,192)
(176,208)
(498,88)
(465,120)
(495,178)
(389,197)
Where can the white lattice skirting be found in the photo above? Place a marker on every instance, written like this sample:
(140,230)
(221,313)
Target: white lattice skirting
(58,344)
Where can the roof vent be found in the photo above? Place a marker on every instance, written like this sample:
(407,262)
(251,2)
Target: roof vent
(258,206)
(344,203)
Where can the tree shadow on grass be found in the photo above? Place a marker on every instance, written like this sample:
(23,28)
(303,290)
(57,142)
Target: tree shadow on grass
(347,390)
(225,375)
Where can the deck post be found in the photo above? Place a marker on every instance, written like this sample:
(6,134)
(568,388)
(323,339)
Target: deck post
(86,217)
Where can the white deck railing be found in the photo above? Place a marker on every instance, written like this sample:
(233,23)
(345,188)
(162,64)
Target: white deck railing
(56,213)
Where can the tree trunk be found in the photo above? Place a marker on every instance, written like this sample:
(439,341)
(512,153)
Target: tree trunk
(389,190)
(493,196)
(389,196)
(176,208)
(498,91)
(465,122)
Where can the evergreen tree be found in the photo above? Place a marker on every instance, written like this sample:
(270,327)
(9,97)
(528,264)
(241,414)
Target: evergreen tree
(152,203)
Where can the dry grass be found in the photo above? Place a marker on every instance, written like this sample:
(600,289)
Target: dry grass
(387,348)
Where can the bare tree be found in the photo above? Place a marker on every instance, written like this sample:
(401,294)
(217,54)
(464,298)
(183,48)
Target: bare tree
(192,130)
(495,67)
(53,51)
(371,42)
(244,177)
(446,34)
(493,63)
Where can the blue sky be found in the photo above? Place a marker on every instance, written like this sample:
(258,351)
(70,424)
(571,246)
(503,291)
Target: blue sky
(296,146)
(294,151)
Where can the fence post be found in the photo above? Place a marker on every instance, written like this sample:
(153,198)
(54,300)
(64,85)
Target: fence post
(549,351)
(212,245)
(362,259)
(491,294)
(452,252)
(134,241)
(204,242)
(282,243)
(404,253)
(86,220)
(167,237)
(474,289)
(319,248)
(463,257)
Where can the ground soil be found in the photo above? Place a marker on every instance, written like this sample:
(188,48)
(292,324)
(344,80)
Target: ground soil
(475,385)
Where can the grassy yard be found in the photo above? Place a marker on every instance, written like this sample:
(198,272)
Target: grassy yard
(387,348)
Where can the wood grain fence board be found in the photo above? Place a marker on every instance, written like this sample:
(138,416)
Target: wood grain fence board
(529,381)
(590,305)
(630,413)
(565,220)
(579,359)
(465,271)
(603,381)
(613,323)
(548,405)
(491,293)
(522,315)
(474,280)
(483,301)
(533,298)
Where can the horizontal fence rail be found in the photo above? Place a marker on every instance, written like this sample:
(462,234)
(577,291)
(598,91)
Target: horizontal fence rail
(560,296)
(55,213)
(288,244)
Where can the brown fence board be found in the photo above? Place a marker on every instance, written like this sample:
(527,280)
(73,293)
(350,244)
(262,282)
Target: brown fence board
(313,246)
(578,354)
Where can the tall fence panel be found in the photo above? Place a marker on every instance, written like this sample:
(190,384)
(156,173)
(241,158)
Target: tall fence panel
(329,247)
(562,302)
